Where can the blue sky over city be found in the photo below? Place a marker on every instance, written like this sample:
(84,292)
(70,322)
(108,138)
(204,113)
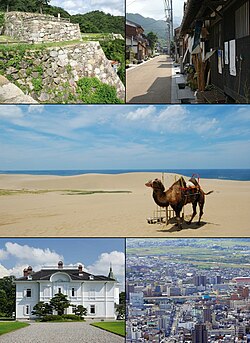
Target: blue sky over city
(94,254)
(44,137)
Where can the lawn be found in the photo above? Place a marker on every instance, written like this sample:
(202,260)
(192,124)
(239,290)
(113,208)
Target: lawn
(117,327)
(6,327)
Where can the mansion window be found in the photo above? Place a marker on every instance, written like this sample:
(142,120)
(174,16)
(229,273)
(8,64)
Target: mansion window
(59,290)
(26,309)
(27,293)
(73,292)
(92,309)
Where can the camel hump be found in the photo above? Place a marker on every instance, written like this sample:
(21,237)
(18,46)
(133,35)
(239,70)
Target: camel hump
(182,182)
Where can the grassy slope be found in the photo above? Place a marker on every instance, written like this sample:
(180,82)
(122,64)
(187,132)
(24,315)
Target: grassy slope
(203,255)
(117,327)
(66,191)
(6,327)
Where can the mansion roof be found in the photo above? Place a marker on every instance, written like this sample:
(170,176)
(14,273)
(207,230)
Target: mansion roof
(74,274)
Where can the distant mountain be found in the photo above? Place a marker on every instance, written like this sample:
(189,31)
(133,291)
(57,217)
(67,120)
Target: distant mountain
(150,24)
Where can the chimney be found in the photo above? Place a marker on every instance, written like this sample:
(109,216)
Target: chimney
(80,270)
(29,270)
(60,265)
(25,272)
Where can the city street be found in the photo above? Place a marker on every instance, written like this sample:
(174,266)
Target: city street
(150,82)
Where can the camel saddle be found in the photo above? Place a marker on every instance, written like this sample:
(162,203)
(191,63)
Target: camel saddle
(191,188)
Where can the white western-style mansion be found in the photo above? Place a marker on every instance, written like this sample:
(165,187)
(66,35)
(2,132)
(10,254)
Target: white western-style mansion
(97,293)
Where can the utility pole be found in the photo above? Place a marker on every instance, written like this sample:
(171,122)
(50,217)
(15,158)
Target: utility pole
(168,6)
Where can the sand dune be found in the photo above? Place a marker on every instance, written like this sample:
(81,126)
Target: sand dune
(57,214)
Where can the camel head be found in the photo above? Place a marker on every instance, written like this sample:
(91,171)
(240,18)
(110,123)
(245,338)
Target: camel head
(155,184)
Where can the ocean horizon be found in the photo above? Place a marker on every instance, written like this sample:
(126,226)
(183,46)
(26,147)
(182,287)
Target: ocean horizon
(224,174)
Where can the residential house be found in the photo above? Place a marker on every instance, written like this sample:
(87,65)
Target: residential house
(216,39)
(97,293)
(136,43)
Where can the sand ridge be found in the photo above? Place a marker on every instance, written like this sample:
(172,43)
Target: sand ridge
(57,214)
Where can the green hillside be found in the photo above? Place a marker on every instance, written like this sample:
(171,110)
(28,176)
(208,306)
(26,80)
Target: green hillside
(150,25)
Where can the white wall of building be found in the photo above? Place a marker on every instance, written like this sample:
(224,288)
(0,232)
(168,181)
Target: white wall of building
(99,297)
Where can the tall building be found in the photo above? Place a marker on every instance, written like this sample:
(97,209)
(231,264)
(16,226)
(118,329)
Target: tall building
(199,334)
(200,280)
(207,314)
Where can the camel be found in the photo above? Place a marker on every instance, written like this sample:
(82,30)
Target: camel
(178,195)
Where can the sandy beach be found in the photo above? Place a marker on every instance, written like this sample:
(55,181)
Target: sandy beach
(46,206)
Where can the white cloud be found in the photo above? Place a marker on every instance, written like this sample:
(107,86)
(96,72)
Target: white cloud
(4,271)
(101,266)
(141,113)
(10,112)
(115,7)
(25,256)
(3,254)
(36,108)
(26,253)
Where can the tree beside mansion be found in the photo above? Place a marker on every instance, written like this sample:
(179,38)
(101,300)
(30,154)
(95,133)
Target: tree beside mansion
(97,293)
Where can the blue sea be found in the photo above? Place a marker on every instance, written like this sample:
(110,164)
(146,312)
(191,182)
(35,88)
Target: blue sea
(224,174)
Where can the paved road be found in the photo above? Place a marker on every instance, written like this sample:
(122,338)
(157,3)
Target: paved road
(150,82)
(60,333)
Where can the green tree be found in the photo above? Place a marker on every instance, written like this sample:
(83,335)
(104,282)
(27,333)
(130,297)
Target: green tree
(42,309)
(100,22)
(59,303)
(41,3)
(3,302)
(80,311)
(8,286)
(121,308)
(152,39)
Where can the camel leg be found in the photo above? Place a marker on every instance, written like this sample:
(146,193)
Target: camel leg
(194,212)
(201,204)
(177,210)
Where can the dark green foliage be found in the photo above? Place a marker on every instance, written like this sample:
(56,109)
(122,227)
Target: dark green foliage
(42,309)
(115,50)
(98,21)
(37,84)
(152,39)
(1,19)
(93,91)
(64,317)
(51,318)
(7,296)
(80,311)
(32,6)
(59,303)
(72,316)
(121,308)
(150,24)
(53,10)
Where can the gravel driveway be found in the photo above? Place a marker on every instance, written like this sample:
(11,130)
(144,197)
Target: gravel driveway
(60,333)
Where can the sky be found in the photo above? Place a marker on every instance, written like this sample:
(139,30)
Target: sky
(76,137)
(94,254)
(155,9)
(114,7)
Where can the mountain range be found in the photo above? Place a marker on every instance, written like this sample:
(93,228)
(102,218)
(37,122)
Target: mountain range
(159,27)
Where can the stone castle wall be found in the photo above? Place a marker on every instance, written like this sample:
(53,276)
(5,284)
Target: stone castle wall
(38,28)
(55,71)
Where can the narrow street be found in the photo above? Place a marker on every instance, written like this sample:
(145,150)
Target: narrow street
(150,82)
